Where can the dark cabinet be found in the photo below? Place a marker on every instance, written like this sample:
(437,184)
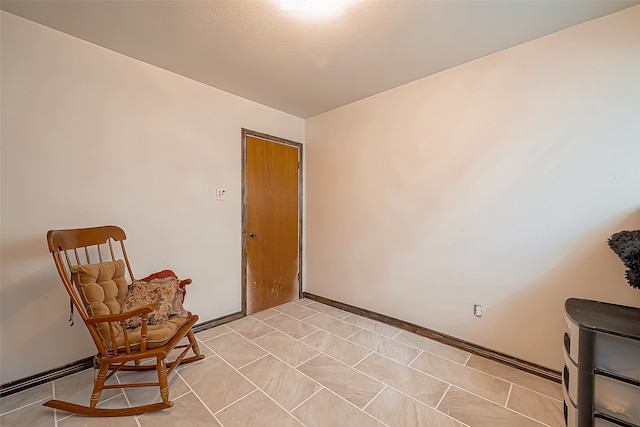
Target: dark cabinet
(601,378)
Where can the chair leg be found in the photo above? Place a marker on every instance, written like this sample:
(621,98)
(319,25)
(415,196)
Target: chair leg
(97,387)
(194,343)
(162,379)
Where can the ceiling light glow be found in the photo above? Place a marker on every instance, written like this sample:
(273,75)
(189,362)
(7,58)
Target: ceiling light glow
(315,8)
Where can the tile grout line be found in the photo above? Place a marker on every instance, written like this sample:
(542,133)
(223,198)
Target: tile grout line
(519,384)
(253,361)
(498,405)
(323,330)
(126,398)
(415,358)
(362,346)
(361,360)
(26,406)
(506,402)
(217,336)
(364,408)
(356,406)
(339,337)
(538,392)
(53,395)
(511,381)
(442,397)
(356,332)
(199,398)
(308,398)
(330,309)
(257,389)
(333,319)
(473,369)
(202,401)
(294,318)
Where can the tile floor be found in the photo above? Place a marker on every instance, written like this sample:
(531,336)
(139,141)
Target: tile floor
(309,364)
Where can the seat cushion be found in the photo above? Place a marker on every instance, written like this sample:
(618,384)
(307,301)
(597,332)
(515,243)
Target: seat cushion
(157,335)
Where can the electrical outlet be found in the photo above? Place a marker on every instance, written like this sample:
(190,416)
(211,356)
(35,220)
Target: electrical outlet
(477,310)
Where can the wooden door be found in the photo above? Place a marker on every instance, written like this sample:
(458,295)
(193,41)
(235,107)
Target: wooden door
(271,229)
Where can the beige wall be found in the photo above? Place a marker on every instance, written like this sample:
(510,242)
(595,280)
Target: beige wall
(91,137)
(497,183)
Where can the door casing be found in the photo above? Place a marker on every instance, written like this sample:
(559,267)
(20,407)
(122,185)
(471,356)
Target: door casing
(277,140)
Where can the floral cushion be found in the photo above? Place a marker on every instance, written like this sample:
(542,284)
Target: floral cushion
(161,293)
(178,309)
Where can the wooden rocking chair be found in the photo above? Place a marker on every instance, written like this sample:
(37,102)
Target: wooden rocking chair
(124,339)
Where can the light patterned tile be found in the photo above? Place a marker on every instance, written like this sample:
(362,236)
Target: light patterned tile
(385,346)
(463,377)
(187,411)
(328,310)
(332,325)
(236,350)
(77,388)
(516,376)
(325,409)
(345,381)
(286,348)
(372,325)
(420,386)
(249,327)
(537,406)
(216,383)
(432,346)
(265,314)
(281,382)
(82,421)
(477,412)
(303,301)
(295,310)
(32,415)
(290,326)
(256,410)
(207,334)
(343,350)
(26,397)
(396,409)
(145,395)
(173,354)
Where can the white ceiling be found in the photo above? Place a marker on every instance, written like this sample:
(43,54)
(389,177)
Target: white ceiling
(306,67)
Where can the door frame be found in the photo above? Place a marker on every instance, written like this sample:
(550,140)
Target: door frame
(274,139)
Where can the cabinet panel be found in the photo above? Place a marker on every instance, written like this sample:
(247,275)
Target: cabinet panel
(570,378)
(618,354)
(570,411)
(620,399)
(571,339)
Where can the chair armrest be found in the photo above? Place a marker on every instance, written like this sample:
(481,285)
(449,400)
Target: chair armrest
(145,309)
